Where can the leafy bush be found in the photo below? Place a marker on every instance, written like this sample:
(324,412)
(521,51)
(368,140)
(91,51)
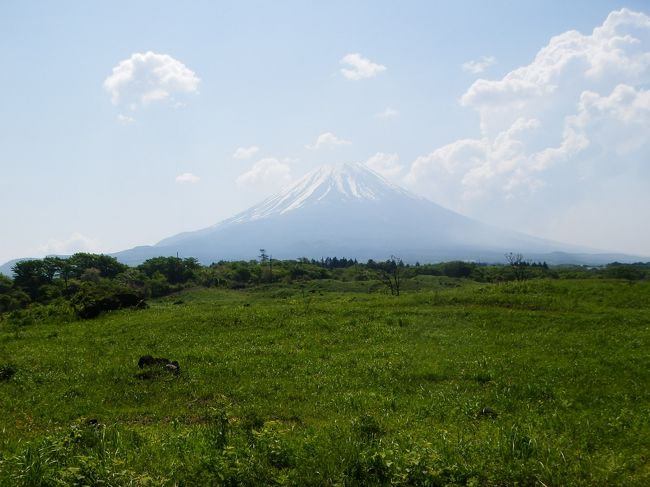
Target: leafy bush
(80,262)
(13,299)
(174,269)
(157,286)
(92,299)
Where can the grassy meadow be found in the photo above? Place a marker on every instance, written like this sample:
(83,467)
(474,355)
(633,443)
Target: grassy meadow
(541,382)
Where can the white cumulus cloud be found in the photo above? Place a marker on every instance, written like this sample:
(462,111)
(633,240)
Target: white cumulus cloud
(358,67)
(245,152)
(477,67)
(76,242)
(564,133)
(267,174)
(616,50)
(387,165)
(473,168)
(328,140)
(148,77)
(187,177)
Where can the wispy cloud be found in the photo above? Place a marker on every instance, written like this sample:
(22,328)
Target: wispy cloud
(125,119)
(328,140)
(358,67)
(149,77)
(388,113)
(187,177)
(76,242)
(245,152)
(477,67)
(270,172)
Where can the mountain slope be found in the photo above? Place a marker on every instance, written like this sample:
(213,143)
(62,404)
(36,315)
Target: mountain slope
(6,268)
(348,210)
(328,188)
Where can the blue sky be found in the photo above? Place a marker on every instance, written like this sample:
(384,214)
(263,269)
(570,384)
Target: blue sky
(120,122)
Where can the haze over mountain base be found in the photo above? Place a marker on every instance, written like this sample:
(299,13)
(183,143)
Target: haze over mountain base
(349,210)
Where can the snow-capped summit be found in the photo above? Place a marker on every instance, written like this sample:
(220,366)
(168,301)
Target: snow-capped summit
(347,210)
(344,182)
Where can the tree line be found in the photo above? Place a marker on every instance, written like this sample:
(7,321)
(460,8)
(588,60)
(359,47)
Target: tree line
(89,284)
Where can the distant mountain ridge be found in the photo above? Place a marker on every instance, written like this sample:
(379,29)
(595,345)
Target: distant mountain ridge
(5,268)
(347,210)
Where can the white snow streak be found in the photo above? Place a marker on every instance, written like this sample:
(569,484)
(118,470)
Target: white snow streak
(341,182)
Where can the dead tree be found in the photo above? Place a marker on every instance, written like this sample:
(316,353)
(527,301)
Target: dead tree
(518,265)
(390,273)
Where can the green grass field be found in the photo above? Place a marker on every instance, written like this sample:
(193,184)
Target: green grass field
(452,383)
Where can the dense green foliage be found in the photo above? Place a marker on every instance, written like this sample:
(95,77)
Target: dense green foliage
(335,382)
(92,283)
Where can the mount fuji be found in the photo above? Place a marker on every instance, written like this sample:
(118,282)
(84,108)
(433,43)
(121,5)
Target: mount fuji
(347,210)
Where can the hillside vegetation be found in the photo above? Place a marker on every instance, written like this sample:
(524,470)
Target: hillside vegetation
(326,378)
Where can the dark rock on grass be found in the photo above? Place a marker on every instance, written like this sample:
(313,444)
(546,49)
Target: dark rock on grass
(149,361)
(155,366)
(179,301)
(145,361)
(173,368)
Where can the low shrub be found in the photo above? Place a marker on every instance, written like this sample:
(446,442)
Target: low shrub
(92,299)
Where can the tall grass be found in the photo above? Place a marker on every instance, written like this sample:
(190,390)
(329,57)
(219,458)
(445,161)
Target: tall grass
(452,383)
